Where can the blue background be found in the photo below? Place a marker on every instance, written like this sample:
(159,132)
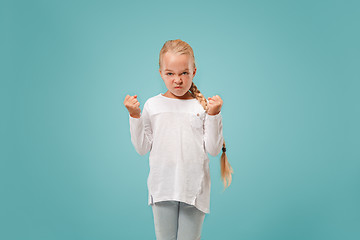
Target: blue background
(287,71)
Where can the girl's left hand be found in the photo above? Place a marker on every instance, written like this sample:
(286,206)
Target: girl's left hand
(214,105)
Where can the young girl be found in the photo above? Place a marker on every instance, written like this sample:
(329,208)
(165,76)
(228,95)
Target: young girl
(179,128)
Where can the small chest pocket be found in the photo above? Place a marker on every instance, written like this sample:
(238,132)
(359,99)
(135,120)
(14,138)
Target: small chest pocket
(197,121)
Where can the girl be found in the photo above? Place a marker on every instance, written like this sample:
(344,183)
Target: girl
(179,128)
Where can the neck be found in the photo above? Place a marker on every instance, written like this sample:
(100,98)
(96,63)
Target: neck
(187,95)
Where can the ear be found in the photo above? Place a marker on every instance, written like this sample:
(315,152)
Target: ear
(194,72)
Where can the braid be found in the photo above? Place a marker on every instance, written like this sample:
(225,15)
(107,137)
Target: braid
(179,46)
(198,95)
(226,169)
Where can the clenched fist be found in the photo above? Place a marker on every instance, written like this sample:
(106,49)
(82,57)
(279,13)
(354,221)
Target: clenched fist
(214,105)
(133,106)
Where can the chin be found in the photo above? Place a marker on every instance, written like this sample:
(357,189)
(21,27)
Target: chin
(179,94)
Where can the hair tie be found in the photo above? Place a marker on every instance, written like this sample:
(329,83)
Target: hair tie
(224,149)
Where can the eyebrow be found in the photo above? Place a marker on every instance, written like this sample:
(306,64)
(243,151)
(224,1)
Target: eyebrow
(171,70)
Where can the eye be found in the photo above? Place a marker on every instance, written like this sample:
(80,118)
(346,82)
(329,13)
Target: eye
(185,72)
(168,73)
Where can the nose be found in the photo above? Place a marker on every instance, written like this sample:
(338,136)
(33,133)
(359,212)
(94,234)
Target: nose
(178,80)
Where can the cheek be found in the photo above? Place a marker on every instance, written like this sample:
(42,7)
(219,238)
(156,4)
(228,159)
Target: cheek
(167,80)
(188,80)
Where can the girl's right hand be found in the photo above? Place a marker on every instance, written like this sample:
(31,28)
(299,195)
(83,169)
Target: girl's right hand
(132,105)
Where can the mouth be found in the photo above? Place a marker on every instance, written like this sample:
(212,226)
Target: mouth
(177,87)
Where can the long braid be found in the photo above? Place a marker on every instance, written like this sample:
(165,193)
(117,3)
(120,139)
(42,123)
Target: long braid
(226,169)
(181,47)
(198,95)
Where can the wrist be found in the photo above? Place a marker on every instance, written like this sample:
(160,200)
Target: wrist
(134,115)
(213,114)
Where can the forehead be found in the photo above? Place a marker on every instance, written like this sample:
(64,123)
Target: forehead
(176,62)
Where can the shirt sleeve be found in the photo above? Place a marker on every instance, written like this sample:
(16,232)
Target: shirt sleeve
(213,134)
(141,132)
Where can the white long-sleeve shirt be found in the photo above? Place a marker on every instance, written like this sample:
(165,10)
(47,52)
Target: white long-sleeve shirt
(179,134)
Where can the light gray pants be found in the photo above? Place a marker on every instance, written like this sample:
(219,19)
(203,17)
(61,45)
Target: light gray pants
(176,220)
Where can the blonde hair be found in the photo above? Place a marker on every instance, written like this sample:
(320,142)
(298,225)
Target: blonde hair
(180,47)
